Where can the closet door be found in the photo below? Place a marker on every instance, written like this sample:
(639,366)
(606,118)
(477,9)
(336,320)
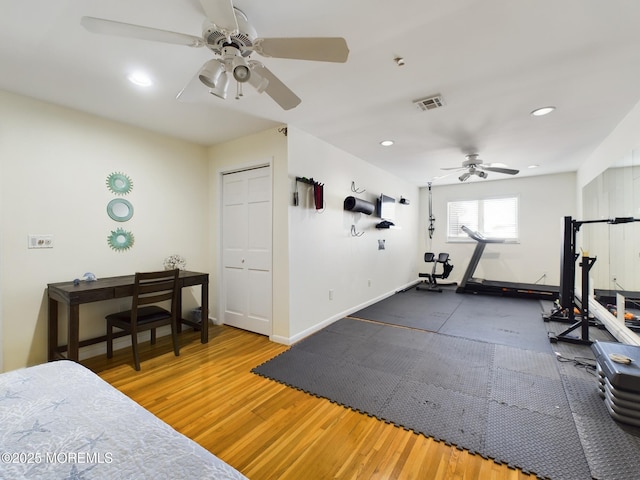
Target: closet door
(246,250)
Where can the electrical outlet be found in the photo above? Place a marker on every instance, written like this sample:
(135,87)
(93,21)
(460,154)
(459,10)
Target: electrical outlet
(331,294)
(40,241)
(369,283)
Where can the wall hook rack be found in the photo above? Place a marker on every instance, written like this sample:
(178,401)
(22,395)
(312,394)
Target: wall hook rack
(318,190)
(356,190)
(355,233)
(308,181)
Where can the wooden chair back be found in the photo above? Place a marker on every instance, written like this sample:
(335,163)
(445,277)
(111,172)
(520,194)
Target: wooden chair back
(155,287)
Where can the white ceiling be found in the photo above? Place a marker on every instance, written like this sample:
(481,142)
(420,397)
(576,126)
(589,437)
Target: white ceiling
(493,62)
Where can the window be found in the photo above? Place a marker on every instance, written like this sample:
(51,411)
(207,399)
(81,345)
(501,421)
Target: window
(492,217)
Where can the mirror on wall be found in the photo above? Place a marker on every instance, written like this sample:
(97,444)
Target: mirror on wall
(120,210)
(614,193)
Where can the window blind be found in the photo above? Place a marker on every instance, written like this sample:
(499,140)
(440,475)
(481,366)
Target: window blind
(461,213)
(492,217)
(501,218)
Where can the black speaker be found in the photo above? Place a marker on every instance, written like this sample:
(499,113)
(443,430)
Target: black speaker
(354,204)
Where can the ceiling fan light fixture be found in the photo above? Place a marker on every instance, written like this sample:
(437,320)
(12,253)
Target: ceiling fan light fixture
(211,73)
(242,73)
(220,90)
(464,176)
(539,112)
(240,68)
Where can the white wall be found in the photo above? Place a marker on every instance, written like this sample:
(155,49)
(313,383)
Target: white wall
(620,142)
(266,147)
(54,164)
(314,252)
(543,202)
(612,192)
(323,255)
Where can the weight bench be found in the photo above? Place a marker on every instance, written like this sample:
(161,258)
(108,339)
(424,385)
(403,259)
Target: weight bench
(430,283)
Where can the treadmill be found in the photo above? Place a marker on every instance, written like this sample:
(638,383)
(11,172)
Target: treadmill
(469,284)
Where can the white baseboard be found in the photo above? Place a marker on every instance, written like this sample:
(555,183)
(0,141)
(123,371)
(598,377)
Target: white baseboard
(319,326)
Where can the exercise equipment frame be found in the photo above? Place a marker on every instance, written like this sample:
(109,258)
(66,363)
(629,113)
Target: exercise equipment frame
(567,305)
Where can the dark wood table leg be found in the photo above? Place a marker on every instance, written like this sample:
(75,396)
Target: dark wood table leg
(73,333)
(53,329)
(204,317)
(179,310)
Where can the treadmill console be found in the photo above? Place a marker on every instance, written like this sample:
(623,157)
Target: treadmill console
(478,237)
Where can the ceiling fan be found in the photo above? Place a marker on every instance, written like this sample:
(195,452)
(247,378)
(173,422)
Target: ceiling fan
(474,166)
(228,34)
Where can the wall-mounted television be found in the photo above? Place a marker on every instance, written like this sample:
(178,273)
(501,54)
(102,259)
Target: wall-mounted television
(386,208)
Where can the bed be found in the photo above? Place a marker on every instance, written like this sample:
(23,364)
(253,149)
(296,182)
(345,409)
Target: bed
(59,420)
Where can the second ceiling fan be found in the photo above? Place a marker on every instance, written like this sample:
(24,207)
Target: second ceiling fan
(228,34)
(474,165)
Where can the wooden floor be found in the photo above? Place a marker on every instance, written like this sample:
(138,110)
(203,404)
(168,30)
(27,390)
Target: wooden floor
(269,431)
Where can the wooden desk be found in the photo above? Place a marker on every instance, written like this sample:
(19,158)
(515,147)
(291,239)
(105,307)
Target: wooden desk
(105,289)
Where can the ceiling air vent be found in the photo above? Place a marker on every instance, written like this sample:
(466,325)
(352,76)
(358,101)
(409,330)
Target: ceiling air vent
(429,103)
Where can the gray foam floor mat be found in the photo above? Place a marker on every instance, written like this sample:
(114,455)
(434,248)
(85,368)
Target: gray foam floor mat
(506,321)
(612,449)
(464,392)
(503,320)
(413,309)
(483,377)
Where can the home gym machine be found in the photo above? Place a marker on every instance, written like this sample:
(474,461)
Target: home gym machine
(567,308)
(469,284)
(431,282)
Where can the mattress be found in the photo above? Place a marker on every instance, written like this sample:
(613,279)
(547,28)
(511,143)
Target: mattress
(60,420)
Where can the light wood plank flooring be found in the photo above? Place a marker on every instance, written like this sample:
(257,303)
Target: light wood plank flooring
(269,431)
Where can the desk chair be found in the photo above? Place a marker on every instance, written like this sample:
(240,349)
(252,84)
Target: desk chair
(149,288)
(431,283)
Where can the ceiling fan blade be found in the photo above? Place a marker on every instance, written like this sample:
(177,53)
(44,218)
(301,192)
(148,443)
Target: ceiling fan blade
(453,168)
(222,14)
(508,171)
(321,49)
(440,177)
(119,29)
(192,91)
(257,81)
(277,90)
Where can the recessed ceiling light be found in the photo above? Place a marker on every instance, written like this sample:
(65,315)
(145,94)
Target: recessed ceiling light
(533,166)
(140,78)
(538,112)
(386,143)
